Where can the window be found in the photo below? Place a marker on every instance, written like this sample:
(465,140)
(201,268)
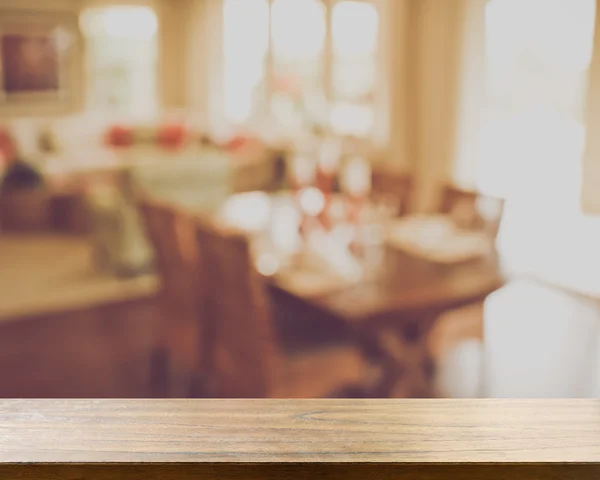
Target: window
(300,61)
(538,58)
(538,55)
(122,51)
(245,47)
(298,32)
(354,36)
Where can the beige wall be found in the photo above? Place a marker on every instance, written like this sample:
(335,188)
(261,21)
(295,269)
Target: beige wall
(395,63)
(204,59)
(433,93)
(34,5)
(427,46)
(591,166)
(175,22)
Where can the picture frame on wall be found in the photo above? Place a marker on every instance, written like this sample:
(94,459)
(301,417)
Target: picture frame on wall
(39,63)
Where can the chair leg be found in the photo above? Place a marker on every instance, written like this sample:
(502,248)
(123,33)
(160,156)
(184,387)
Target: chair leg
(198,387)
(159,373)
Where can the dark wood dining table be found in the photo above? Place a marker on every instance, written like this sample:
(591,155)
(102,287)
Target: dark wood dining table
(406,297)
(407,286)
(402,307)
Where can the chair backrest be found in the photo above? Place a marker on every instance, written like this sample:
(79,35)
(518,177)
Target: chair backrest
(472,209)
(245,356)
(540,342)
(390,182)
(179,366)
(171,232)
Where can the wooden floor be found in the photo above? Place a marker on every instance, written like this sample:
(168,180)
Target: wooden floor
(95,353)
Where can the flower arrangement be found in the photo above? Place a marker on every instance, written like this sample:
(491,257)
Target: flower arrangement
(8,149)
(169,136)
(119,136)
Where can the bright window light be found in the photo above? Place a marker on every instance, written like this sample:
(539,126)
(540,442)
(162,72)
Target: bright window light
(538,54)
(245,45)
(122,52)
(352,119)
(274,63)
(298,28)
(246,29)
(121,21)
(354,28)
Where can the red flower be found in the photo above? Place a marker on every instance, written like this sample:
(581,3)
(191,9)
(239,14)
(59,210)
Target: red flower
(119,136)
(237,142)
(172,135)
(8,149)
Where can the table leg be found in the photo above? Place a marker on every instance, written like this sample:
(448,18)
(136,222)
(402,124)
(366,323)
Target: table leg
(409,369)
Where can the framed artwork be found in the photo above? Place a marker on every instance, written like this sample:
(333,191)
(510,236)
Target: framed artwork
(39,62)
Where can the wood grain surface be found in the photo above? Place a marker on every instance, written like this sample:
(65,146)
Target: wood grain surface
(284,431)
(300,439)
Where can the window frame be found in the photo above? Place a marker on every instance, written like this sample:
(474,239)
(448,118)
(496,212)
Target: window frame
(264,113)
(91,72)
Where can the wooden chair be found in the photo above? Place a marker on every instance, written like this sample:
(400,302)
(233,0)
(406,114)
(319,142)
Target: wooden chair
(247,360)
(69,211)
(392,183)
(471,209)
(176,364)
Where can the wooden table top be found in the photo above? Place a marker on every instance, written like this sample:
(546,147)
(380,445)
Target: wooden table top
(42,274)
(287,431)
(413,285)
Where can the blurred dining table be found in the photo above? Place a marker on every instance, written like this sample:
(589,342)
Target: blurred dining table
(400,283)
(397,288)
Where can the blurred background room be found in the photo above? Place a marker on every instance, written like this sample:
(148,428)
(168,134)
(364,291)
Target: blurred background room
(299,198)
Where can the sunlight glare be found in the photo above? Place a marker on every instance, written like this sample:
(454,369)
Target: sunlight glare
(298,28)
(354,28)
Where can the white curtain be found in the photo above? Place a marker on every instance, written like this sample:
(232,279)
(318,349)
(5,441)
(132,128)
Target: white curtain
(534,149)
(441,122)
